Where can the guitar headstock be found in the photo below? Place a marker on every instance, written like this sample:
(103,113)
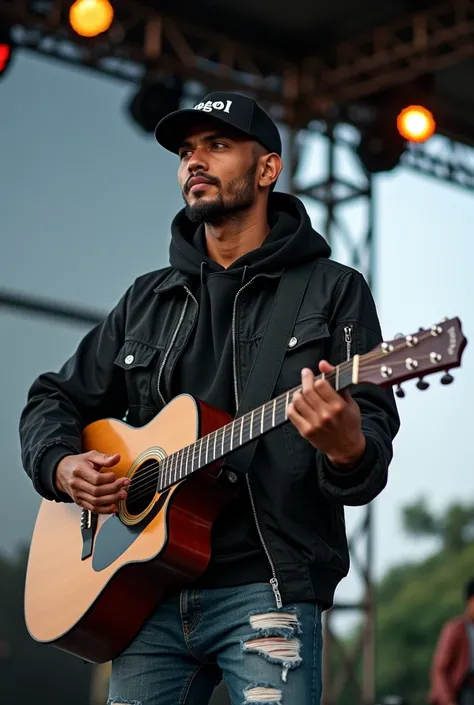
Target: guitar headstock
(423,353)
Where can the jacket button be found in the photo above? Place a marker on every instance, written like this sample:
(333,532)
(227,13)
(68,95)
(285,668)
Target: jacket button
(129,359)
(292,342)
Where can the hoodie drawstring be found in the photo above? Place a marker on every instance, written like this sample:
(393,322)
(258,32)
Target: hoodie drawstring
(203,264)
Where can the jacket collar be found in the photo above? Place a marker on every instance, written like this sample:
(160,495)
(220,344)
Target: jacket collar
(173,280)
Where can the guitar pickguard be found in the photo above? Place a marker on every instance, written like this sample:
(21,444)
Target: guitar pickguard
(114,538)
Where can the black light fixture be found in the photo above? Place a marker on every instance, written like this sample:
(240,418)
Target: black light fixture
(380,147)
(154,100)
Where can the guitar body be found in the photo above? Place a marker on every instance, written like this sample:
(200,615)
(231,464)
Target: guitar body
(93,607)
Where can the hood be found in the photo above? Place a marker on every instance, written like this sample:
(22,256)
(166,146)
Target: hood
(291,240)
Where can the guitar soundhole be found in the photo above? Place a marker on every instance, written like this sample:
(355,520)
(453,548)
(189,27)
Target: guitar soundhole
(142,488)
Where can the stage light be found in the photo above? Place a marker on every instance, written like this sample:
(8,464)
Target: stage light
(380,148)
(6,50)
(155,100)
(88,18)
(415,123)
(5,55)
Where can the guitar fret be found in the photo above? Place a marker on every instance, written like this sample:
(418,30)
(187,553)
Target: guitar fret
(227,440)
(232,435)
(181,463)
(273,414)
(207,448)
(241,429)
(223,436)
(164,470)
(261,420)
(287,403)
(170,463)
(267,422)
(251,424)
(187,461)
(215,441)
(337,378)
(200,449)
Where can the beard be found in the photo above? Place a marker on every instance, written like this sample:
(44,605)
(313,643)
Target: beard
(240,197)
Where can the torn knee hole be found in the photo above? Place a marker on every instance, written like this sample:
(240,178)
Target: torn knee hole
(277,649)
(276,646)
(274,620)
(263,694)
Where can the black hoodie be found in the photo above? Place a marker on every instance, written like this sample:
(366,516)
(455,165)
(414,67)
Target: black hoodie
(205,367)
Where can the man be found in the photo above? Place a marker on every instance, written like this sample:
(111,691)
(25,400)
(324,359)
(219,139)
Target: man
(280,550)
(452,672)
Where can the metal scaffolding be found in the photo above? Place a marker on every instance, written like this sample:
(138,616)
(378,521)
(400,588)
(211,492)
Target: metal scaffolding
(144,40)
(344,668)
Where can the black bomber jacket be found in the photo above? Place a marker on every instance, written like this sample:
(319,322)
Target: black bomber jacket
(123,369)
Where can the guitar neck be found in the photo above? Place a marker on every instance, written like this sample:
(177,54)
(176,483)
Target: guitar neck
(243,429)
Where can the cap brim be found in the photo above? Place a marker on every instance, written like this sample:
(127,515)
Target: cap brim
(172,129)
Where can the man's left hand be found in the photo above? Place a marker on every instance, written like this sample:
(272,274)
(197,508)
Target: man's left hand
(329,420)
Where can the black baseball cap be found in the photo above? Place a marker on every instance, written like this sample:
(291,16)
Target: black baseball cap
(243,114)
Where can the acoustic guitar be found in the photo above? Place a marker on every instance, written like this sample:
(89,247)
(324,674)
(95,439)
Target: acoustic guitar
(93,580)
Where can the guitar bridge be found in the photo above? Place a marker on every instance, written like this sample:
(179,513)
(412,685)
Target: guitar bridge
(88,527)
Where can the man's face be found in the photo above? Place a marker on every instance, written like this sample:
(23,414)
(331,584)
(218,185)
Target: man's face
(470,607)
(217,174)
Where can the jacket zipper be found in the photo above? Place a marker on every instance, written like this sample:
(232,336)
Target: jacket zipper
(173,338)
(184,342)
(274,579)
(348,341)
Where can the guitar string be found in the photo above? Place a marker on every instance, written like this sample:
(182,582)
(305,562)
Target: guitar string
(142,489)
(152,472)
(146,480)
(245,426)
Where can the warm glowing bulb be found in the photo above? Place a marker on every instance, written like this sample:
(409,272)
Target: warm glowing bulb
(416,124)
(91,17)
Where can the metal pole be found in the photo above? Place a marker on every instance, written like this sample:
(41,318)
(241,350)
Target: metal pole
(344,668)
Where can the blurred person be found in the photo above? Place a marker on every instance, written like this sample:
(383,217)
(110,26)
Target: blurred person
(452,671)
(278,553)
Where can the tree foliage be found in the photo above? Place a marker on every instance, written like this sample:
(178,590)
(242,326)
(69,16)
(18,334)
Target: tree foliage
(415,600)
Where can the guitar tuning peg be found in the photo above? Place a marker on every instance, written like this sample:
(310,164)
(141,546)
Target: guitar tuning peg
(399,335)
(447,378)
(399,392)
(422,385)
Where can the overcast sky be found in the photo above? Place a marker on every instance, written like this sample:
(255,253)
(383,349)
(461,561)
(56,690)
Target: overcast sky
(86,202)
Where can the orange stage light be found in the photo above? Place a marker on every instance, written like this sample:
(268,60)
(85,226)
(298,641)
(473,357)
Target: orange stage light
(91,17)
(416,124)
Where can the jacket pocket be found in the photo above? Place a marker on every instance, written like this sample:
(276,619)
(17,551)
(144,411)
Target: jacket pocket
(140,363)
(305,348)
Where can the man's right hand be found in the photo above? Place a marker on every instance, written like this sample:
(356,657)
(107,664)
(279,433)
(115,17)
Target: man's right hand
(81,478)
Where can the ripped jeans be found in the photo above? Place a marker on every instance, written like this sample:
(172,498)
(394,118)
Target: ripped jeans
(193,639)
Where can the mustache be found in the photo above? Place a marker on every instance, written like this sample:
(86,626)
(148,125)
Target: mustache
(205,177)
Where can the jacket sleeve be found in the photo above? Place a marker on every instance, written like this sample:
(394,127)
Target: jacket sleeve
(355,329)
(442,662)
(60,404)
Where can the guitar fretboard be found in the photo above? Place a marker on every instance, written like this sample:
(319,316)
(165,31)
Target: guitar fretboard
(242,430)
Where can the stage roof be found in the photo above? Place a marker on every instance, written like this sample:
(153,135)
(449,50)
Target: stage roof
(332,53)
(442,70)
